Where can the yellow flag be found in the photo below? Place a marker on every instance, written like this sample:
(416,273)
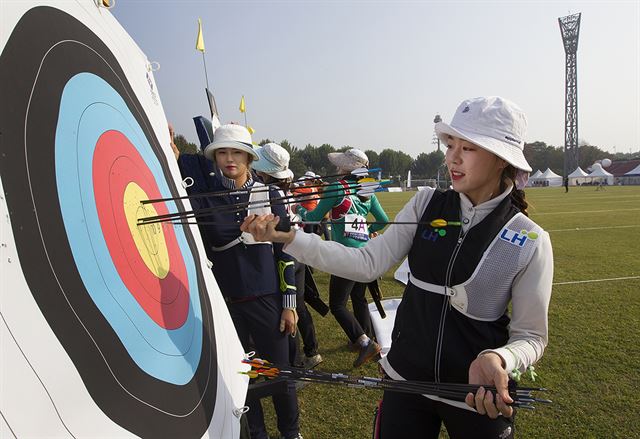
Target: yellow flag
(251,130)
(242,107)
(200,40)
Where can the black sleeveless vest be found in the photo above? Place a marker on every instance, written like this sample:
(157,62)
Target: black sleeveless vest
(431,340)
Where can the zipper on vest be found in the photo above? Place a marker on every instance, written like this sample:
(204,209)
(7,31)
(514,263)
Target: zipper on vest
(446,303)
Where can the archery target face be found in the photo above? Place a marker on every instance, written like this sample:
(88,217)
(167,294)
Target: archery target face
(140,277)
(129,304)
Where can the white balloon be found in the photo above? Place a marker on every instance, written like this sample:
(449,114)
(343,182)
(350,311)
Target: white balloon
(606,163)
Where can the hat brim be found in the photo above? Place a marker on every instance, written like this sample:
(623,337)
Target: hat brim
(275,173)
(510,153)
(209,151)
(345,162)
(307,176)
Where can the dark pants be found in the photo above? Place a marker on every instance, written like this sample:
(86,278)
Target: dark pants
(358,323)
(405,415)
(306,329)
(258,321)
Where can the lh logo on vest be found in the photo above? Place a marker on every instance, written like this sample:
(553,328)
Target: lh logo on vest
(433,235)
(516,238)
(438,229)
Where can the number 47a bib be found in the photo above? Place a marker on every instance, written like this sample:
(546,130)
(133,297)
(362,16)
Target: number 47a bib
(355,227)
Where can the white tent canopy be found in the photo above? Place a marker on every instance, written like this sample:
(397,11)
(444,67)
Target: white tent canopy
(634,171)
(598,174)
(578,173)
(631,177)
(577,177)
(532,177)
(547,178)
(549,174)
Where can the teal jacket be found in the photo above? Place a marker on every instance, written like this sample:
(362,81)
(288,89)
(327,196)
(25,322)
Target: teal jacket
(360,205)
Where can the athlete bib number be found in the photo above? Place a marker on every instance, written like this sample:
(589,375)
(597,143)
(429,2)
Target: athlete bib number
(355,227)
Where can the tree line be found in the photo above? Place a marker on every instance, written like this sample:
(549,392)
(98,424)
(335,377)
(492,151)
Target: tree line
(395,162)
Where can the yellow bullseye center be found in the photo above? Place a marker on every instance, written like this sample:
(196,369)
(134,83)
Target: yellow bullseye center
(149,239)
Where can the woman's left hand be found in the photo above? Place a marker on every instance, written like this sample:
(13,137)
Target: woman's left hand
(289,321)
(487,369)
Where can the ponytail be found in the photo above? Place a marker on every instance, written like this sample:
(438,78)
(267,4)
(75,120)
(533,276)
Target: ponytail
(518,200)
(517,195)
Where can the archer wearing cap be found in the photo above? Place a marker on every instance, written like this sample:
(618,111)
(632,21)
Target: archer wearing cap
(473,252)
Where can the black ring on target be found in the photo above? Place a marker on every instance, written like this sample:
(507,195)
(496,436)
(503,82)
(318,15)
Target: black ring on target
(53,47)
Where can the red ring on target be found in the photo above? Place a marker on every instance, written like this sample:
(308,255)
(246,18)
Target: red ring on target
(163,293)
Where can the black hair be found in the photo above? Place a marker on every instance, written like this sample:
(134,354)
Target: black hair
(517,195)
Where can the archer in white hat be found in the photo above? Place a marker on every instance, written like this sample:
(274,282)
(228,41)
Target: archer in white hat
(310,177)
(346,208)
(273,168)
(475,307)
(273,160)
(257,279)
(230,136)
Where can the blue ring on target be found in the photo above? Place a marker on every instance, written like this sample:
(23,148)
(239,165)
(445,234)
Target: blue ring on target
(90,106)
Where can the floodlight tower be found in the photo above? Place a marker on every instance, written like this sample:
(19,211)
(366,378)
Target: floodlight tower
(570,30)
(436,120)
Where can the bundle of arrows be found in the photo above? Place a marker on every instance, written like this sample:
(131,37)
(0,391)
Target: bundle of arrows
(364,187)
(522,396)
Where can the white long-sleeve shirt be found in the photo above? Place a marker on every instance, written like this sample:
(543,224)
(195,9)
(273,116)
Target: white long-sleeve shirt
(531,289)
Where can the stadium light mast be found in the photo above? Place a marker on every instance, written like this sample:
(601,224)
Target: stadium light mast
(570,30)
(436,120)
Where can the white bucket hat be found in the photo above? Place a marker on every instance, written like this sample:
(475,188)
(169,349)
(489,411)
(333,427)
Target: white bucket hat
(273,160)
(349,160)
(230,136)
(492,123)
(309,175)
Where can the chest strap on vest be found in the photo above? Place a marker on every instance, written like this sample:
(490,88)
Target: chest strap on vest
(228,245)
(260,204)
(438,289)
(483,297)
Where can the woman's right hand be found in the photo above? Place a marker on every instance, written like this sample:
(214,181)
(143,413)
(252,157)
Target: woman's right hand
(263,228)
(487,369)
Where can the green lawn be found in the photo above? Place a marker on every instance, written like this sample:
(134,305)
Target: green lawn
(592,362)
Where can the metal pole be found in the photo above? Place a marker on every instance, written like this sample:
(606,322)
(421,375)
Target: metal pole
(436,120)
(206,77)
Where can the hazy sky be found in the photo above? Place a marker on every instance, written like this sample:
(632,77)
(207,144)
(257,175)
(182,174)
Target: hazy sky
(373,74)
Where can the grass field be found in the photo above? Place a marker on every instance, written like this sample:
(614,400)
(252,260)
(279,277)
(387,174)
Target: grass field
(592,362)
